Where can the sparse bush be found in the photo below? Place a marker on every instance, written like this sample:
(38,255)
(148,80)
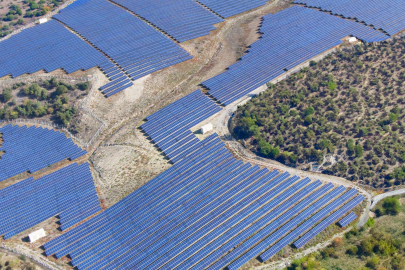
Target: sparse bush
(6,95)
(61,89)
(82,86)
(391,206)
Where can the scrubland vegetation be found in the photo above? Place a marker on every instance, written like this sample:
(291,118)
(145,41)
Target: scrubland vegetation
(10,262)
(349,106)
(51,98)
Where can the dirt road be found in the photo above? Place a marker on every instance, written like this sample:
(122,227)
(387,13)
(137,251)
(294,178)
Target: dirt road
(380,197)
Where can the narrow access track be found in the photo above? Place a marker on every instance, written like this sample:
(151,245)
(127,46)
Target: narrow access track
(382,196)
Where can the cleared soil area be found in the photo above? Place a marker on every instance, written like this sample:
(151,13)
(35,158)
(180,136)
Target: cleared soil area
(125,162)
(9,261)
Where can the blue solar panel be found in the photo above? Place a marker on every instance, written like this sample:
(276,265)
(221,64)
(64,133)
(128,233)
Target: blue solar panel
(347,219)
(290,37)
(192,214)
(68,192)
(32,149)
(386,15)
(170,127)
(271,227)
(136,47)
(181,19)
(328,221)
(228,8)
(47,46)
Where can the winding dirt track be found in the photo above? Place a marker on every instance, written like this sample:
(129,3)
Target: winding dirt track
(380,197)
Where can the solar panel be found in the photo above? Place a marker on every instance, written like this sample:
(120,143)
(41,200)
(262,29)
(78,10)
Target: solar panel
(68,192)
(347,219)
(136,47)
(193,214)
(170,127)
(48,47)
(329,220)
(228,8)
(181,19)
(289,38)
(32,149)
(388,16)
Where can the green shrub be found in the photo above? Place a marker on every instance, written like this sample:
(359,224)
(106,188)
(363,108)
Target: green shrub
(61,89)
(82,86)
(391,206)
(6,95)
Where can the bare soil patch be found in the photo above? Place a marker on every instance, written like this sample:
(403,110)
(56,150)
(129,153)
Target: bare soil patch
(10,261)
(125,162)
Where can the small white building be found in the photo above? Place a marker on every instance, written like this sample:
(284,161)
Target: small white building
(36,235)
(352,40)
(44,20)
(207,128)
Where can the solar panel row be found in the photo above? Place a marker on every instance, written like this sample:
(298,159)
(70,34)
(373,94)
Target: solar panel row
(386,15)
(48,47)
(282,241)
(173,224)
(246,248)
(170,127)
(123,258)
(181,19)
(157,211)
(136,47)
(242,231)
(267,203)
(120,207)
(290,37)
(153,186)
(219,221)
(228,8)
(189,216)
(347,219)
(118,80)
(32,149)
(68,192)
(328,221)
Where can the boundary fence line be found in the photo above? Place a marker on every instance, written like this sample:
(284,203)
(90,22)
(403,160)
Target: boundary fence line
(40,262)
(56,126)
(103,124)
(31,78)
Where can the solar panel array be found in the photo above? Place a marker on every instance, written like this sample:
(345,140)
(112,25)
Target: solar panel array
(48,47)
(324,212)
(135,46)
(328,221)
(193,214)
(228,8)
(119,81)
(386,15)
(32,149)
(181,19)
(68,192)
(347,219)
(290,37)
(170,127)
